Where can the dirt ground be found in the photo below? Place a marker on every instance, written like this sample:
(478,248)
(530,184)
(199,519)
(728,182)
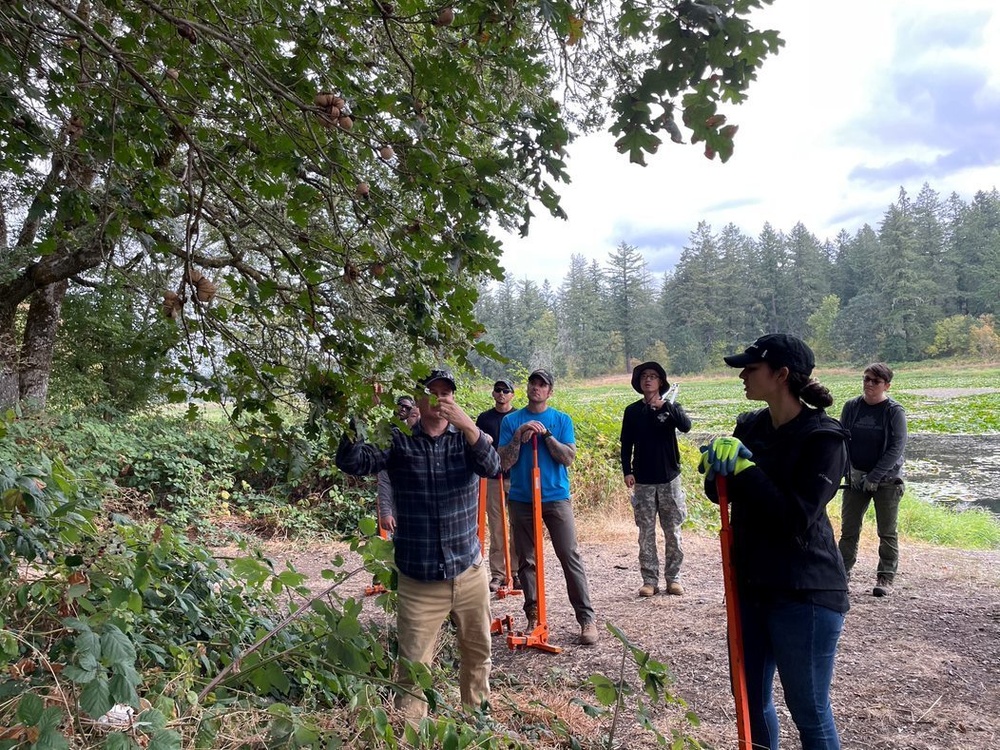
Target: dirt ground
(918,670)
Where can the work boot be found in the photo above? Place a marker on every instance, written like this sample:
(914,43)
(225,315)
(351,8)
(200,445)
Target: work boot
(516,582)
(673,587)
(495,584)
(883,586)
(588,634)
(532,615)
(649,589)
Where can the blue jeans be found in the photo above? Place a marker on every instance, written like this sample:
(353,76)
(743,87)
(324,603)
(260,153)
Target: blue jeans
(800,641)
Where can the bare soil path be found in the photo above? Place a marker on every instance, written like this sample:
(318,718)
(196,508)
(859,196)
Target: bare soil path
(918,670)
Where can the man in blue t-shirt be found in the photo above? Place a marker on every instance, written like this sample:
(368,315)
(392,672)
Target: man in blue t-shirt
(556,451)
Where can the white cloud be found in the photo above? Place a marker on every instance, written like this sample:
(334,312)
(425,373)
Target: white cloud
(824,106)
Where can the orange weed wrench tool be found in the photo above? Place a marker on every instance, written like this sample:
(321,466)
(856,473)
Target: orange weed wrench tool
(734,629)
(507,589)
(506,623)
(482,516)
(539,637)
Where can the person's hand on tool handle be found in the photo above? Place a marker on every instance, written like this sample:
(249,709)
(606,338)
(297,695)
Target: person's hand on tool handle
(529,429)
(724,456)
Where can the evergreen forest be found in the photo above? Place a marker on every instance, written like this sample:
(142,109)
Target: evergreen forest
(923,284)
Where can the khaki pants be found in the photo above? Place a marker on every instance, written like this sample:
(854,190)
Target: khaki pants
(423,608)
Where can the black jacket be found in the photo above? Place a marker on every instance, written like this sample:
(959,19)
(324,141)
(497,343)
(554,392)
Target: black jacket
(649,441)
(782,537)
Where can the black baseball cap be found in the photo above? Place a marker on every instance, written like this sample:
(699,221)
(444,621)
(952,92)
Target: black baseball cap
(440,374)
(406,401)
(778,350)
(543,375)
(503,383)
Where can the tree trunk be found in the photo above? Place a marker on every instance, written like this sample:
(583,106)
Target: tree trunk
(9,388)
(37,348)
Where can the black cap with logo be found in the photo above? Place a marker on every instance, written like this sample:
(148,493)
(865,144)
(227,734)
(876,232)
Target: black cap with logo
(778,350)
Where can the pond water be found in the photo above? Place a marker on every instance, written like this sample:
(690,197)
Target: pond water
(959,470)
(963,470)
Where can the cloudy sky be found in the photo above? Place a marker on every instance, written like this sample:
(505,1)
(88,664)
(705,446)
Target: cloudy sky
(865,97)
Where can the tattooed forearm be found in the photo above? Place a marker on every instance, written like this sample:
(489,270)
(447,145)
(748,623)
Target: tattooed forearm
(509,453)
(563,453)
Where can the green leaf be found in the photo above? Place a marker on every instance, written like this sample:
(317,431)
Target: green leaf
(29,709)
(118,741)
(123,691)
(116,647)
(154,718)
(165,739)
(605,691)
(95,698)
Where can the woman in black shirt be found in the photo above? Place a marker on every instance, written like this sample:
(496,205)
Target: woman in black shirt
(786,461)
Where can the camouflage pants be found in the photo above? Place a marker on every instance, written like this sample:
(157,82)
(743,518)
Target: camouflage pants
(666,502)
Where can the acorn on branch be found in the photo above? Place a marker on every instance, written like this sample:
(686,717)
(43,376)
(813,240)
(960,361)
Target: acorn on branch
(323,99)
(446,17)
(74,127)
(187,32)
(205,290)
(172,304)
(333,110)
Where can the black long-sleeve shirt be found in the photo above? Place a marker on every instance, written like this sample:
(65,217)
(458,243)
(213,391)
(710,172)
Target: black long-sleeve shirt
(649,441)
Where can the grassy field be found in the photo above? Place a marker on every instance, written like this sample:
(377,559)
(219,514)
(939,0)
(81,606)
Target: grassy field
(955,399)
(943,400)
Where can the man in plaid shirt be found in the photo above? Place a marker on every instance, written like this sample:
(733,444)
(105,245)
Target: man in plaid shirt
(433,472)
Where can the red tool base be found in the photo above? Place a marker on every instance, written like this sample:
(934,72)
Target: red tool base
(537,638)
(504,591)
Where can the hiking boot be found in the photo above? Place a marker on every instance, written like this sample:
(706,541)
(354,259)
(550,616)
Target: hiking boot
(516,583)
(649,589)
(495,584)
(673,587)
(588,634)
(883,587)
(532,616)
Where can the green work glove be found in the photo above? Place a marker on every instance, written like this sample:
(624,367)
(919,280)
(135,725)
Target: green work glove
(705,465)
(729,456)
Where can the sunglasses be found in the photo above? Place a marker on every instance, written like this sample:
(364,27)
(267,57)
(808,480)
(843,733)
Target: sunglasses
(871,381)
(502,390)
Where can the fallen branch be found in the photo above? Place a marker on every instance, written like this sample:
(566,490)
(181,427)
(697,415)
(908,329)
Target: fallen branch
(235,665)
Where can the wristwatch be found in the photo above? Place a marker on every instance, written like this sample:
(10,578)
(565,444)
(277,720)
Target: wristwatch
(547,434)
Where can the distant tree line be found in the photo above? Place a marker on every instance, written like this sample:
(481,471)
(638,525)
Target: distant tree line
(925,283)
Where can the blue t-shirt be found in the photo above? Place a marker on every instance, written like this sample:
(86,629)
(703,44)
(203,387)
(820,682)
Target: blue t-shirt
(554,476)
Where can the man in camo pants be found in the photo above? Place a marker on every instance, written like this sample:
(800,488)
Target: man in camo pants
(651,466)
